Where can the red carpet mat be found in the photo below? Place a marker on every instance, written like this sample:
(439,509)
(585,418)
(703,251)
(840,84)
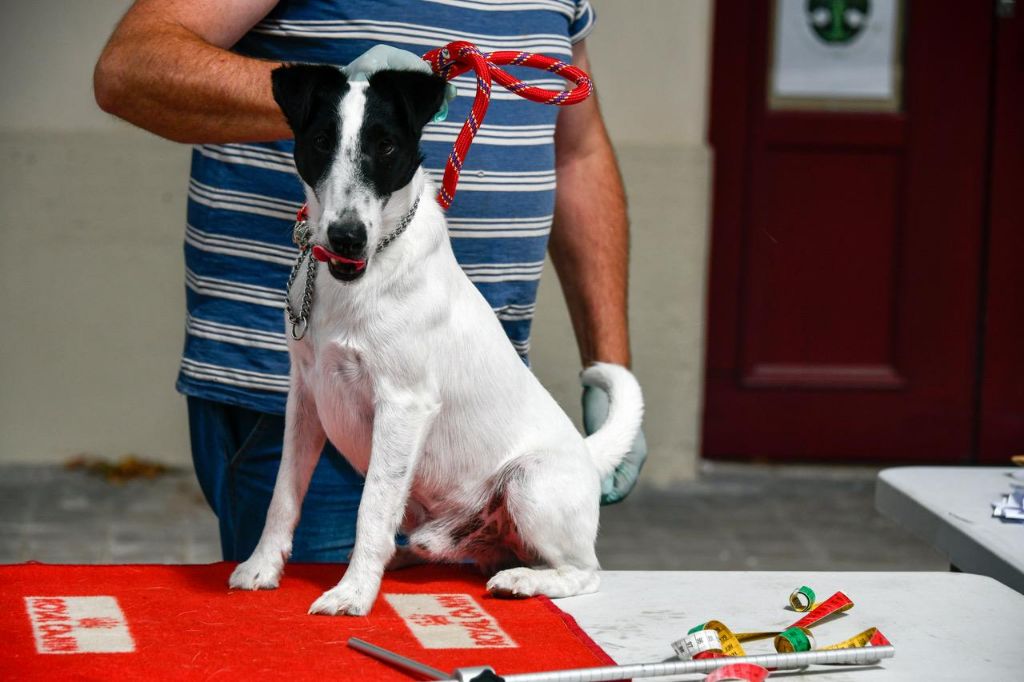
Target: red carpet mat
(176,622)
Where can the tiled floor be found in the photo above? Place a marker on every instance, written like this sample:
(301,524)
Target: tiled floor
(734,517)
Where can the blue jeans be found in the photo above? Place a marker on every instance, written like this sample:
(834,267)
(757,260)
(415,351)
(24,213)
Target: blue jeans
(237,452)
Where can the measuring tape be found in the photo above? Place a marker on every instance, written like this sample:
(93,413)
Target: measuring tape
(714,639)
(738,672)
(802,599)
(741,669)
(711,640)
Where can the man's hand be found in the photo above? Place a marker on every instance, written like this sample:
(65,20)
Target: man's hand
(380,57)
(616,486)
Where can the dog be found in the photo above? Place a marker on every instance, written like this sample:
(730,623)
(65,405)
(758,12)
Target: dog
(407,370)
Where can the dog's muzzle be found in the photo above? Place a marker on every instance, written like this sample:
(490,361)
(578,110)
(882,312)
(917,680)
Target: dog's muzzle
(346,257)
(340,267)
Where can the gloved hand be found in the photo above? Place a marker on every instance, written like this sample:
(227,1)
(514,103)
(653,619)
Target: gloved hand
(380,57)
(616,486)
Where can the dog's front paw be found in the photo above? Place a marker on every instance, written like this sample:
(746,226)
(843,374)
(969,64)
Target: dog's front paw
(344,600)
(257,573)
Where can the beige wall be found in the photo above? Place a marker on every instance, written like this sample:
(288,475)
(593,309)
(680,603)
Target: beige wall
(650,60)
(92,213)
(90,254)
(48,49)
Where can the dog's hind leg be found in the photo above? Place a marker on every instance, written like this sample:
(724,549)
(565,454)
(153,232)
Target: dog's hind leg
(304,439)
(564,581)
(553,501)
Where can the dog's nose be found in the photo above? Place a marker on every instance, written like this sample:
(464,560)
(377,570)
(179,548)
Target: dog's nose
(347,236)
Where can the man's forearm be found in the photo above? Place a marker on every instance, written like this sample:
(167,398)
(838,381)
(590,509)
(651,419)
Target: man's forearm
(160,75)
(590,236)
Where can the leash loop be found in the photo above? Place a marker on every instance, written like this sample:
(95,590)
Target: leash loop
(458,57)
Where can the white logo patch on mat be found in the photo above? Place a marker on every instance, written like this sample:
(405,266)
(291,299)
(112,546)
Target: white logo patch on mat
(449,621)
(79,625)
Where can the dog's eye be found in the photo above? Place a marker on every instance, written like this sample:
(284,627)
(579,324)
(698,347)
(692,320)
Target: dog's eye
(385,147)
(322,142)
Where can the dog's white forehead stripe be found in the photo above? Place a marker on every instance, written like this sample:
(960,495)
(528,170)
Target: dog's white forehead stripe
(351,114)
(340,189)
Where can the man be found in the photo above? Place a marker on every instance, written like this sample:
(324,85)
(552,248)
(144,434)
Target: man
(198,71)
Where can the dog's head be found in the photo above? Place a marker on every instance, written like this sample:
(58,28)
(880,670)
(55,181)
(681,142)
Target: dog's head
(356,143)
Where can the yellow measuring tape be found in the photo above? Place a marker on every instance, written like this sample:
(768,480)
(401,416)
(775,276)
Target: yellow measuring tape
(714,639)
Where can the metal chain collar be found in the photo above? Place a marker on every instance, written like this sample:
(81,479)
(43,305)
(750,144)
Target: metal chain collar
(300,321)
(301,233)
(402,224)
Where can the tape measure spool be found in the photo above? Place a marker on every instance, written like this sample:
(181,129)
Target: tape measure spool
(794,640)
(729,641)
(696,643)
(802,599)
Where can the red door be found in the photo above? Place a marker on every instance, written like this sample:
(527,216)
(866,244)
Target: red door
(1001,427)
(844,311)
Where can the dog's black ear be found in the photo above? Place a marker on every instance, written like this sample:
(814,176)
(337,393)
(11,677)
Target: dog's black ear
(419,94)
(298,87)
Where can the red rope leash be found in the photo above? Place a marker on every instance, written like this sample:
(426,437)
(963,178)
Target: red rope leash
(455,59)
(459,57)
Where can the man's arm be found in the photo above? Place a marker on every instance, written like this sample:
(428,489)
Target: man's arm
(590,236)
(167,69)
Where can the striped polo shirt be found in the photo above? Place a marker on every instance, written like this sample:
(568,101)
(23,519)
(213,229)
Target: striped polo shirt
(243,198)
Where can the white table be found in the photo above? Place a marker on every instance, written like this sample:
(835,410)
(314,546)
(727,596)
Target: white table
(951,509)
(944,626)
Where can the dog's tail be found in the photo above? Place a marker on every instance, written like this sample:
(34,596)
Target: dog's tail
(610,443)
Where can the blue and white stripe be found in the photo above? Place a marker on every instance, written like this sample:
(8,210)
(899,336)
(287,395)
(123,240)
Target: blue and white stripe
(216,287)
(250,155)
(241,336)
(490,228)
(512,312)
(410,35)
(565,7)
(243,202)
(211,242)
(499,181)
(508,136)
(232,376)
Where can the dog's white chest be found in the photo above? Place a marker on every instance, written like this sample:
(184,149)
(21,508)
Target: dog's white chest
(343,389)
(345,362)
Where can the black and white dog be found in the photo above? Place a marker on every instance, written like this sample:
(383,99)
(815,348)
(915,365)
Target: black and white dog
(407,370)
